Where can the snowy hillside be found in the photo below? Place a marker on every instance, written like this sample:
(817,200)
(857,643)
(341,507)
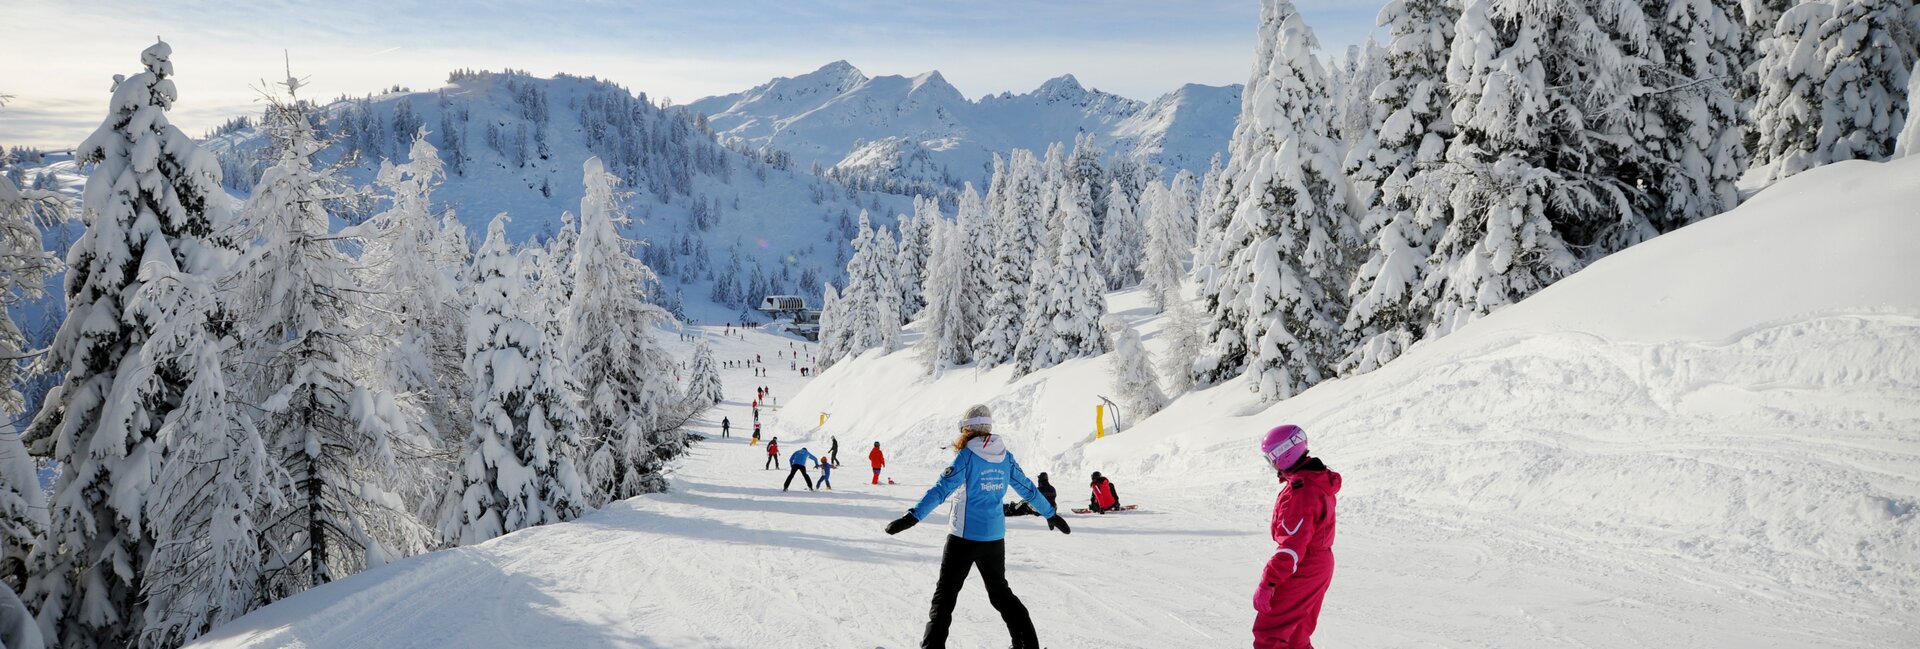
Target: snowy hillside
(1723,457)
(1705,440)
(514,144)
(833,115)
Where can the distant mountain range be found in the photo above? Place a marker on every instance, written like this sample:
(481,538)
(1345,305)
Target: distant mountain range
(922,129)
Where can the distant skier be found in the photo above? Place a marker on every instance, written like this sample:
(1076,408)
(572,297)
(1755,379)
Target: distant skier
(773,448)
(982,470)
(833,452)
(1105,497)
(725,426)
(879,461)
(1287,601)
(799,464)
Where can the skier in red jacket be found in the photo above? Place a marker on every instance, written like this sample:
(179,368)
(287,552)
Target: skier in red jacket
(1287,601)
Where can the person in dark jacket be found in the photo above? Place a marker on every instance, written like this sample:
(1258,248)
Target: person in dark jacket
(1105,497)
(726,427)
(1024,508)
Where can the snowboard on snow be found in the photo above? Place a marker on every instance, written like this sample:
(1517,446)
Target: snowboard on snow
(1123,508)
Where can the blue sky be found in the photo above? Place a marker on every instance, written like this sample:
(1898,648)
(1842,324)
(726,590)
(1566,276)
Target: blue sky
(59,56)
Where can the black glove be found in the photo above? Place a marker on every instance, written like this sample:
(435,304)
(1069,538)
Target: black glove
(901,524)
(1058,523)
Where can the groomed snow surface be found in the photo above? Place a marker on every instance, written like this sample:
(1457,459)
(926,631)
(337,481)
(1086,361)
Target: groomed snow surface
(1709,440)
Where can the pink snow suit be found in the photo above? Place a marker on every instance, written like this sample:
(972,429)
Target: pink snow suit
(1287,602)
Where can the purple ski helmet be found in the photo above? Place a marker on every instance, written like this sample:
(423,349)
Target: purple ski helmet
(1284,445)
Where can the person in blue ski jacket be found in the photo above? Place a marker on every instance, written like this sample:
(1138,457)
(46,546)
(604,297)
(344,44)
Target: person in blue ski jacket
(799,463)
(977,481)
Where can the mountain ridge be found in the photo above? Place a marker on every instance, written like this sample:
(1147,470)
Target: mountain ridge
(828,116)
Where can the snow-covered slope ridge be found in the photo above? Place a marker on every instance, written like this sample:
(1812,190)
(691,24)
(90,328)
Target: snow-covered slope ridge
(1719,428)
(826,116)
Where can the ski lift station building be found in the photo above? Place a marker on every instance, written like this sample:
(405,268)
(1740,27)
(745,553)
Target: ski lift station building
(792,311)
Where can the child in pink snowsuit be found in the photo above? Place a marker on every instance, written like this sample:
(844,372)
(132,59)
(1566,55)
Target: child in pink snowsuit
(1287,601)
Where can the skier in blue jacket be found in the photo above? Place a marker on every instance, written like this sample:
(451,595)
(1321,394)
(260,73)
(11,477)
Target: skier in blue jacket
(982,470)
(799,463)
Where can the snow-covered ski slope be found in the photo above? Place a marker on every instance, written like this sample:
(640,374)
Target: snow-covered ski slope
(1709,440)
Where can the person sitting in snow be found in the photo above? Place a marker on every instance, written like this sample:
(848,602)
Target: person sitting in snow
(799,464)
(1287,601)
(1105,497)
(1024,508)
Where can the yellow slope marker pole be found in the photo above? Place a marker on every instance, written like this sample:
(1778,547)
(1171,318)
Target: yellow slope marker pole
(1099,420)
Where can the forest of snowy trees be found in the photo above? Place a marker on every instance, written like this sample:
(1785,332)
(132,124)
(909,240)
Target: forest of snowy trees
(1488,150)
(254,402)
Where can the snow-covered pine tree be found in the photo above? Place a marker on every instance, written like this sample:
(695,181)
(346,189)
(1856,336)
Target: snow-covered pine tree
(627,434)
(417,309)
(1083,169)
(1124,241)
(23,511)
(883,329)
(556,269)
(1909,143)
(517,469)
(1213,213)
(1275,302)
(1057,184)
(1688,121)
(1531,186)
(24,266)
(211,495)
(1065,321)
(946,343)
(152,194)
(1160,268)
(1017,222)
(1136,388)
(1833,86)
(301,326)
(833,333)
(915,249)
(1279,306)
(1408,207)
(1355,116)
(1183,198)
(703,383)
(1184,344)
(976,228)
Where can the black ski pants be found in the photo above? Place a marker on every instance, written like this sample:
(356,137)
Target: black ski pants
(960,557)
(802,470)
